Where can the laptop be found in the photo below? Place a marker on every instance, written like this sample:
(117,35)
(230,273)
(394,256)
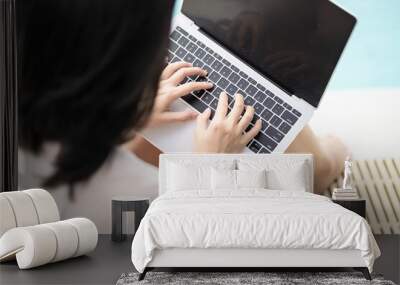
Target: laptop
(279,54)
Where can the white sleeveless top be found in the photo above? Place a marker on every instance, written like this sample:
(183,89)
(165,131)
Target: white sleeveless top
(123,174)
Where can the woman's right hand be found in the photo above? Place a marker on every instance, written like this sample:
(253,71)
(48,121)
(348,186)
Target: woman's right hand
(226,132)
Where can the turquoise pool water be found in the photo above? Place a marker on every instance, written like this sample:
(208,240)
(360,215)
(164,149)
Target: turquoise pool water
(372,57)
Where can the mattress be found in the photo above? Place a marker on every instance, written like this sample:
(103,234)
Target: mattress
(251,218)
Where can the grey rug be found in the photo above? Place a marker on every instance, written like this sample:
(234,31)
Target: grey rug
(268,278)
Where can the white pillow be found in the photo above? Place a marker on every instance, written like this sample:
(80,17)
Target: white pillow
(226,179)
(184,175)
(293,180)
(251,178)
(290,174)
(223,179)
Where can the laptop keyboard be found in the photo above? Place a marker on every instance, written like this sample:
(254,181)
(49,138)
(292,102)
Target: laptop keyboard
(277,116)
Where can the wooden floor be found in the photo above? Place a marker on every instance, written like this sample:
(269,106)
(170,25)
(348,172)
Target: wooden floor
(378,182)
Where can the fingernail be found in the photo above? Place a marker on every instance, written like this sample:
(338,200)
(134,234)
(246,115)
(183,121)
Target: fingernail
(206,110)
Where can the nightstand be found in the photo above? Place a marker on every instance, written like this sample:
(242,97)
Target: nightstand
(121,204)
(357,206)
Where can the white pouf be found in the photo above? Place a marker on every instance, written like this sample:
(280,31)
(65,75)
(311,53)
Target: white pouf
(31,233)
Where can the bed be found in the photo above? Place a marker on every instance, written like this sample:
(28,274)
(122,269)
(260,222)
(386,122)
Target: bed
(214,211)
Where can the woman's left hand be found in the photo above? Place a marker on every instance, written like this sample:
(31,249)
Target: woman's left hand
(170,90)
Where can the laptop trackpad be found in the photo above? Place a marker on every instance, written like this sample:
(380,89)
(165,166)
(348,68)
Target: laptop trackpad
(176,137)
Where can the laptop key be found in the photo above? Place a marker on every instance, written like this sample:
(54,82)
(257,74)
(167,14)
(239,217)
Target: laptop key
(216,92)
(269,103)
(261,87)
(267,142)
(190,98)
(214,77)
(260,97)
(254,119)
(192,38)
(232,89)
(199,93)
(244,75)
(235,69)
(191,47)
(207,98)
(207,68)
(217,56)
(278,109)
(266,115)
(297,113)
(200,53)
(199,106)
(208,59)
(227,63)
(181,53)
(279,100)
(264,150)
(255,146)
(223,83)
(183,41)
(270,94)
(289,117)
(274,133)
(251,90)
(252,81)
(249,101)
(214,104)
(234,77)
(242,84)
(175,35)
(217,65)
(284,128)
(182,31)
(198,63)
(258,108)
(275,121)
(173,46)
(226,71)
(287,106)
(189,58)
(201,44)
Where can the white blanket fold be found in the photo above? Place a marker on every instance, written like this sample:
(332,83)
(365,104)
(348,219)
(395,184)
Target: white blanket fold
(250,219)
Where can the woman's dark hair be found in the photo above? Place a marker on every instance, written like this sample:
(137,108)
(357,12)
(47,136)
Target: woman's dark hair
(88,74)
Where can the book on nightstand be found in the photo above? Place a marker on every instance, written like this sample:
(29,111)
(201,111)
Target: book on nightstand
(344,194)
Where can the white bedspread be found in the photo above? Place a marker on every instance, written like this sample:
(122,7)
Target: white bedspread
(250,219)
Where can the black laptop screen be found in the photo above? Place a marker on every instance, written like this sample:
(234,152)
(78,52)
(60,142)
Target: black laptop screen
(296,43)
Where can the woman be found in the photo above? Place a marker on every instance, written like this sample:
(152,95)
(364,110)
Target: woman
(91,75)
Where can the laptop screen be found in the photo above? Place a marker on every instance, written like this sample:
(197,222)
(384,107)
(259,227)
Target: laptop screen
(295,43)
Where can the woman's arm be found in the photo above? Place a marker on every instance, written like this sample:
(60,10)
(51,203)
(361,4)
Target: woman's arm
(144,150)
